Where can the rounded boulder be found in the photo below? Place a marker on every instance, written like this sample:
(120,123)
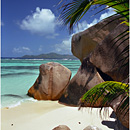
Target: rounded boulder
(62,127)
(51,82)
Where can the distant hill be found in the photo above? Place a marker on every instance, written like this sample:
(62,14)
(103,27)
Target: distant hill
(49,56)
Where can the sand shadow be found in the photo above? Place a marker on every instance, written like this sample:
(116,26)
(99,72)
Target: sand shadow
(115,125)
(109,124)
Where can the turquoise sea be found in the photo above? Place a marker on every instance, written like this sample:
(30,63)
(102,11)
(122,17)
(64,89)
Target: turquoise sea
(18,75)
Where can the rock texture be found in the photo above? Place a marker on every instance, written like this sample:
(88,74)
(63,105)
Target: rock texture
(123,116)
(62,127)
(86,77)
(107,58)
(83,43)
(119,126)
(114,125)
(51,82)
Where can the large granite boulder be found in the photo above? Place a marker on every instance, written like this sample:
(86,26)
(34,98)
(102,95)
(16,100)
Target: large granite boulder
(83,43)
(86,77)
(104,52)
(51,82)
(107,55)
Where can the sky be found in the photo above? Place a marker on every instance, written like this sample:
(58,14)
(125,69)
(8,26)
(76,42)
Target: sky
(31,27)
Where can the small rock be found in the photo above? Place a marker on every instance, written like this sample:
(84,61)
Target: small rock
(61,127)
(92,128)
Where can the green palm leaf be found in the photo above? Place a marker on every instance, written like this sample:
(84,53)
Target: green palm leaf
(75,10)
(105,93)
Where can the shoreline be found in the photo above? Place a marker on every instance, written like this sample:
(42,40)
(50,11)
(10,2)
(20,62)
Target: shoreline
(46,115)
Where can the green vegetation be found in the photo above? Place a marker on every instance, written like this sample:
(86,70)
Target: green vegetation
(49,56)
(107,92)
(72,12)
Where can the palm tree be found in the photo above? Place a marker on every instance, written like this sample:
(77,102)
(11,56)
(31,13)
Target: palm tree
(105,93)
(72,12)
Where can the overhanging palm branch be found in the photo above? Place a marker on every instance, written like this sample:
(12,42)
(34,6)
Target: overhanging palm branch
(72,12)
(106,93)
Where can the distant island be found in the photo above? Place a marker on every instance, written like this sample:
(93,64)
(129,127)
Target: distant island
(48,56)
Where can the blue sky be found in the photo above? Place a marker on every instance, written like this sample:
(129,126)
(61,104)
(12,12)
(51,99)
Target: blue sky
(30,27)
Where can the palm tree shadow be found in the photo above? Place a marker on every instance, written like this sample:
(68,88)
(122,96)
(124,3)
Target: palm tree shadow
(113,115)
(115,125)
(109,124)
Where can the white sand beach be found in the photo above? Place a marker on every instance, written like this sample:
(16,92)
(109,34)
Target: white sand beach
(46,115)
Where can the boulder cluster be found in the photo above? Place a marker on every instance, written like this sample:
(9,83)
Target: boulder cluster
(64,127)
(99,53)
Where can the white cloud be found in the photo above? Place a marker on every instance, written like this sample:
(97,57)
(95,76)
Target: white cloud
(84,25)
(40,48)
(26,48)
(65,46)
(107,14)
(21,50)
(42,22)
(52,36)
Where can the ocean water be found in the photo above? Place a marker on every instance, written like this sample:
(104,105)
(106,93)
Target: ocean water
(18,75)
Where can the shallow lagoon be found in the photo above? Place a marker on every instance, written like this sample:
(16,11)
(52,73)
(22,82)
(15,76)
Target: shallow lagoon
(18,75)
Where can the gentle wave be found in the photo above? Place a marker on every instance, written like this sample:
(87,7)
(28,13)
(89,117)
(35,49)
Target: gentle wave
(16,100)
(14,105)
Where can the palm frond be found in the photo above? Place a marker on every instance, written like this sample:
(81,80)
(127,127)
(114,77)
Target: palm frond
(75,10)
(105,93)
